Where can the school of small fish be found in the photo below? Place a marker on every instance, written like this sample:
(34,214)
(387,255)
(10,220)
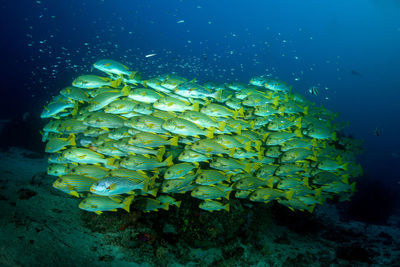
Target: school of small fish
(120,140)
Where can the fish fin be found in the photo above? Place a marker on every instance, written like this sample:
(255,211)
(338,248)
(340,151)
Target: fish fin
(127,203)
(276,101)
(165,206)
(222,125)
(239,130)
(334,136)
(72,140)
(210,132)
(169,161)
(218,95)
(305,112)
(98,212)
(132,75)
(74,193)
(318,192)
(196,106)
(178,203)
(298,133)
(345,179)
(113,210)
(160,153)
(289,194)
(226,207)
(305,180)
(174,140)
(247,146)
(270,182)
(125,90)
(247,167)
(116,83)
(105,128)
(227,195)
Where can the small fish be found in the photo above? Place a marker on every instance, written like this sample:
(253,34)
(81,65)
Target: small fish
(114,185)
(150,55)
(98,204)
(74,184)
(212,205)
(180,21)
(313,90)
(209,192)
(178,170)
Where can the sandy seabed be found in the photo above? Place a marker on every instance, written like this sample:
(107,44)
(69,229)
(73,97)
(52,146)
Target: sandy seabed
(40,226)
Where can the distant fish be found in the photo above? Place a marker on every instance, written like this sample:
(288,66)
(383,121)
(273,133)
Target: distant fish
(180,21)
(314,90)
(150,55)
(356,73)
(377,132)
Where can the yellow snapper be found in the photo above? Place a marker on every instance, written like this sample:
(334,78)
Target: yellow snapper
(84,155)
(168,199)
(281,123)
(266,194)
(178,170)
(193,156)
(175,185)
(140,162)
(146,123)
(104,120)
(208,146)
(98,204)
(209,192)
(169,103)
(277,138)
(145,139)
(57,169)
(114,185)
(56,144)
(75,93)
(186,128)
(149,204)
(216,110)
(113,67)
(74,184)
(297,154)
(94,81)
(210,177)
(201,119)
(145,95)
(100,101)
(229,164)
(212,205)
(120,106)
(94,171)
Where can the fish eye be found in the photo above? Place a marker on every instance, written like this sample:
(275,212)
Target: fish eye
(255,195)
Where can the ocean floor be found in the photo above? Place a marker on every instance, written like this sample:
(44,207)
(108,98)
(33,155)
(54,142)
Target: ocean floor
(40,226)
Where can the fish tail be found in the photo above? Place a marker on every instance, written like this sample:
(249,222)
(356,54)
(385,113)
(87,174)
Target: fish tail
(226,207)
(196,106)
(72,140)
(169,161)
(165,206)
(218,95)
(178,203)
(160,153)
(125,90)
(127,203)
(239,130)
(174,140)
(222,125)
(132,75)
(210,132)
(247,146)
(116,83)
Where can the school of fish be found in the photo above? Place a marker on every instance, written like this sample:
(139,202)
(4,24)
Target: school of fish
(120,140)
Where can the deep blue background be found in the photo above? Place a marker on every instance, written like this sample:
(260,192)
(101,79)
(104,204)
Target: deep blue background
(45,44)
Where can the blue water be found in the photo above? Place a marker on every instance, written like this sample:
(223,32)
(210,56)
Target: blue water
(349,49)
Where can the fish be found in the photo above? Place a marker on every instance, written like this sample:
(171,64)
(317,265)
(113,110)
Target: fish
(210,177)
(178,170)
(140,162)
(110,66)
(94,81)
(57,143)
(75,93)
(74,184)
(147,123)
(209,192)
(84,155)
(186,128)
(104,120)
(98,204)
(313,90)
(150,140)
(173,104)
(212,205)
(193,156)
(114,185)
(145,95)
(149,204)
